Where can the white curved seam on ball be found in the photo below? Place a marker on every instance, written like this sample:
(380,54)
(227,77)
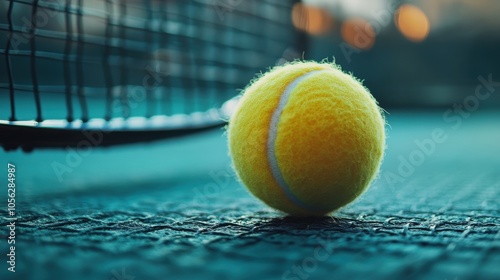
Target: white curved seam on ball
(271,142)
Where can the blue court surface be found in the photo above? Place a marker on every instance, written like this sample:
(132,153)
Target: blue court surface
(174,209)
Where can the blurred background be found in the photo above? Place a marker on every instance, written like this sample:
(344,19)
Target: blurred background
(419,53)
(410,53)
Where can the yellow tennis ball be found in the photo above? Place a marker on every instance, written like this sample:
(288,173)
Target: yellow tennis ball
(306,138)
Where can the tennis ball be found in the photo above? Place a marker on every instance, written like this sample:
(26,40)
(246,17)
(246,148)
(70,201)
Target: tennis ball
(306,138)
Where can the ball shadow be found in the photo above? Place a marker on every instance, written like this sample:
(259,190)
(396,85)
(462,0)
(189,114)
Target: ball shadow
(311,224)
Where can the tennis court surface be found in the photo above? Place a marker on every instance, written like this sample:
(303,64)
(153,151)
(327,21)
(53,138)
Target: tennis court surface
(187,217)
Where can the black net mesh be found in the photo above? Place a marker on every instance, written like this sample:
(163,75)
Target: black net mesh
(74,59)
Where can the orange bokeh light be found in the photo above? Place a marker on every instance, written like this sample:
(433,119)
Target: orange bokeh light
(412,22)
(358,33)
(313,20)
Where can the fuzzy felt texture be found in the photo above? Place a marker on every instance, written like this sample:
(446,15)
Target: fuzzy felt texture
(329,140)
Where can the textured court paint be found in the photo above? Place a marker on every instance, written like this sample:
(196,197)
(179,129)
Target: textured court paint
(271,143)
(382,236)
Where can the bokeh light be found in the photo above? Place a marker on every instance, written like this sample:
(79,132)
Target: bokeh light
(358,33)
(313,20)
(412,22)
